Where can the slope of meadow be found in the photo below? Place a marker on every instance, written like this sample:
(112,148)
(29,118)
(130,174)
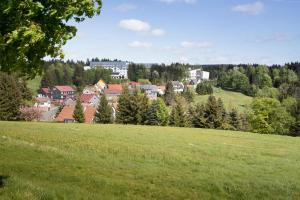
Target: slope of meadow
(231,99)
(73,161)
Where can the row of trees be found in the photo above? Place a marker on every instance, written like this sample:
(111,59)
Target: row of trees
(72,73)
(158,74)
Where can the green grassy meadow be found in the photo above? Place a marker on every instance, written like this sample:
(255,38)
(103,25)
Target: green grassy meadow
(75,161)
(230,99)
(34,84)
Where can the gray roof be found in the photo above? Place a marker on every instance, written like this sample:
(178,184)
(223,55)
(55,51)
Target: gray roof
(149,87)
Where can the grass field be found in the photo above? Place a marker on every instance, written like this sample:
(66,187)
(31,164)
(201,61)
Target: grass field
(231,99)
(72,161)
(34,84)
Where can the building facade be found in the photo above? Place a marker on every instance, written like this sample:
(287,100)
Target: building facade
(119,68)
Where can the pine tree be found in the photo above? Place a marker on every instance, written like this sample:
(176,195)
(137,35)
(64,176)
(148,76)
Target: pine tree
(221,121)
(78,112)
(104,112)
(169,96)
(157,113)
(124,111)
(234,120)
(143,106)
(178,117)
(188,94)
(211,112)
(196,116)
(10,98)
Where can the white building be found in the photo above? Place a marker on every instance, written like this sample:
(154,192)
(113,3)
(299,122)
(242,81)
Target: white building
(197,75)
(119,68)
(43,103)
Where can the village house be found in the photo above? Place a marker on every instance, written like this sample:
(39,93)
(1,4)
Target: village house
(44,92)
(90,100)
(43,103)
(113,91)
(150,90)
(66,114)
(90,89)
(62,92)
(178,87)
(100,86)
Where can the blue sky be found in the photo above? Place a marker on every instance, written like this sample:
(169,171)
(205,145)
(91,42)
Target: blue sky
(191,31)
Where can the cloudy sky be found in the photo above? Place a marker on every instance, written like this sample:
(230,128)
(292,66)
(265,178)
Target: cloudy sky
(194,31)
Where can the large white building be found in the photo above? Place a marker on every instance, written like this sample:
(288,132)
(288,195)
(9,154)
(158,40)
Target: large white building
(119,68)
(197,75)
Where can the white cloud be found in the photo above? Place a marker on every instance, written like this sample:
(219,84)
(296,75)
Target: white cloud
(158,32)
(138,44)
(135,25)
(251,8)
(125,7)
(274,38)
(179,1)
(141,26)
(204,45)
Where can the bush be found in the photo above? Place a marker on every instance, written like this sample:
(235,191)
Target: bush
(30,114)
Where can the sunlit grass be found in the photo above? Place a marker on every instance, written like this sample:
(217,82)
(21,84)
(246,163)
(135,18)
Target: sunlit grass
(73,161)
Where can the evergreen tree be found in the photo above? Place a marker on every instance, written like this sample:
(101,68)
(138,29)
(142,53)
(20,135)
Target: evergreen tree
(169,96)
(222,115)
(104,112)
(204,88)
(124,112)
(196,115)
(157,113)
(10,98)
(142,106)
(212,113)
(178,117)
(188,94)
(234,120)
(78,112)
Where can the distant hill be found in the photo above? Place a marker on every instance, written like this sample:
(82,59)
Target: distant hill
(75,161)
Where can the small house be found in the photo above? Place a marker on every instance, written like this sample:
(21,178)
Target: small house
(150,90)
(178,87)
(62,92)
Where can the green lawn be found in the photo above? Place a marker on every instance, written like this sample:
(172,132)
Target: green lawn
(34,84)
(231,99)
(73,161)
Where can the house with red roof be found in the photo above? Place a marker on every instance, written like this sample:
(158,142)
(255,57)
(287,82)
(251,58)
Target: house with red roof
(89,100)
(45,92)
(66,114)
(113,91)
(61,92)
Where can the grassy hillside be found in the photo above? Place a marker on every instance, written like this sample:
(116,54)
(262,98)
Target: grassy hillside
(60,161)
(231,99)
(34,84)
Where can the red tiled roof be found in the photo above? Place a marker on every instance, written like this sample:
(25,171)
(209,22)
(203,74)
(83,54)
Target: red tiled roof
(115,87)
(67,113)
(86,98)
(64,88)
(89,113)
(45,90)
